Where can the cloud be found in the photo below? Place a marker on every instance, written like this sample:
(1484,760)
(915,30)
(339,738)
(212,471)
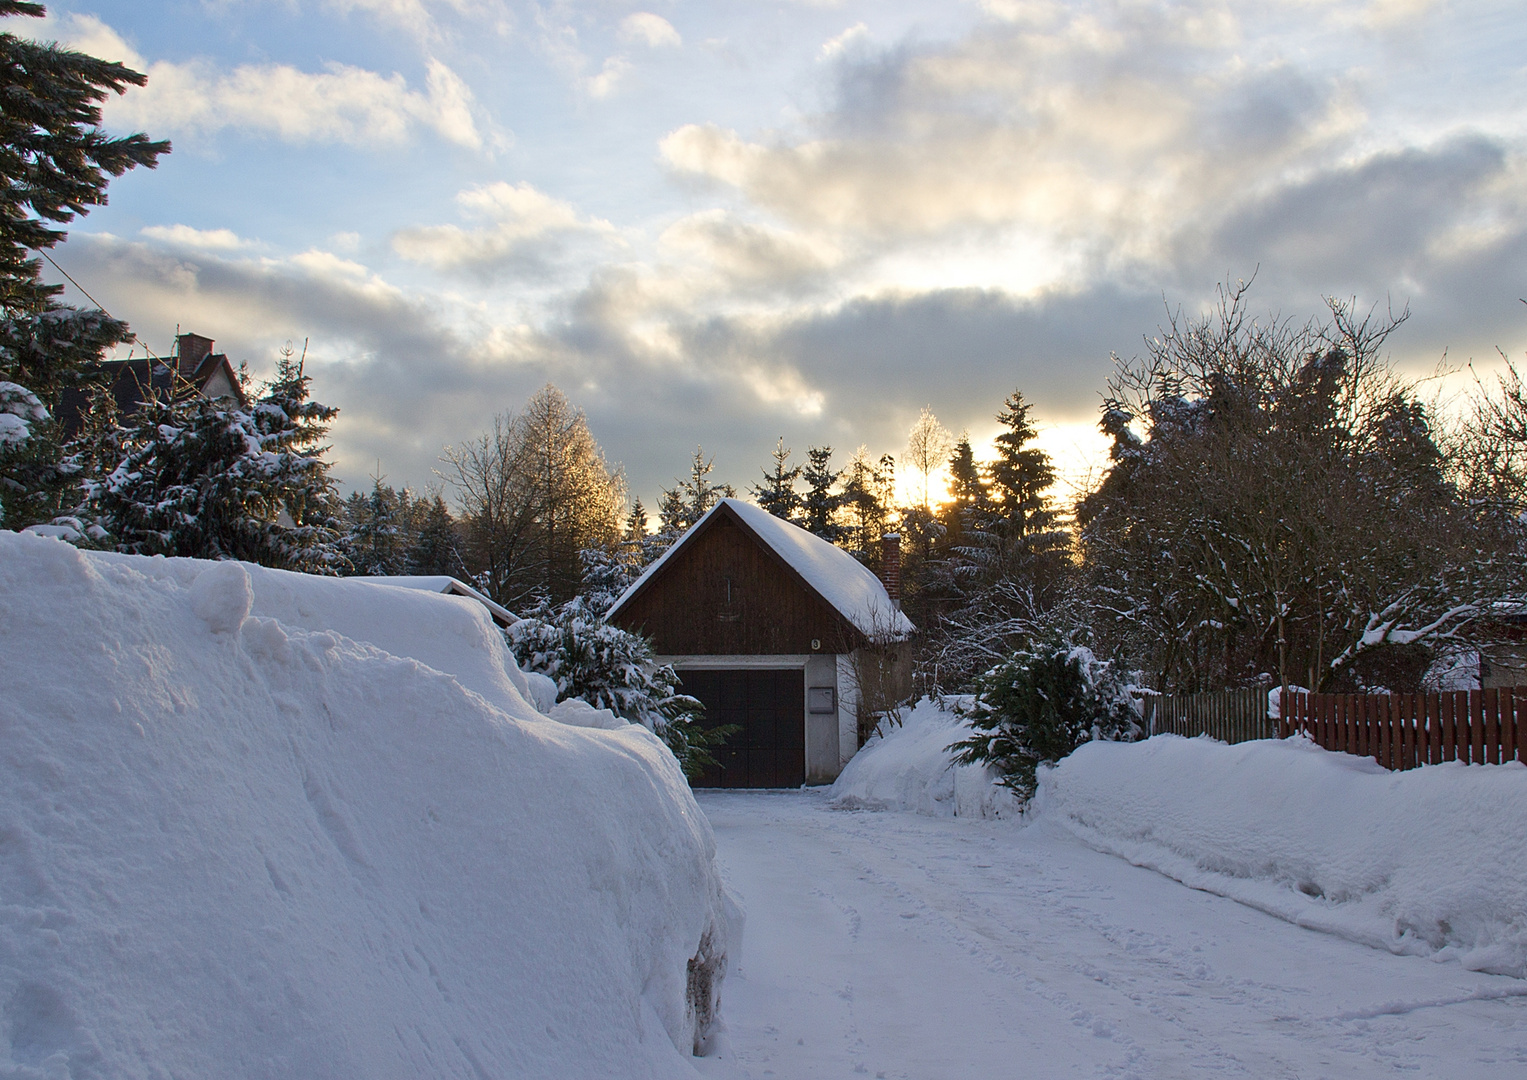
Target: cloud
(1105,129)
(651,30)
(747,255)
(186,236)
(605,83)
(840,44)
(524,231)
(342,103)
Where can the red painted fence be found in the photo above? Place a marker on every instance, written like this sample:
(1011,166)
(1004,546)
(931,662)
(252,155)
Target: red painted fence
(1402,731)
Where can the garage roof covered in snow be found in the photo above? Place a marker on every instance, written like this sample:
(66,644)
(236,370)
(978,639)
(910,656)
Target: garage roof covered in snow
(851,589)
(439,583)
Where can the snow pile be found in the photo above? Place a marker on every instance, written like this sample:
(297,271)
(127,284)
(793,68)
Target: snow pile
(909,768)
(255,824)
(1432,861)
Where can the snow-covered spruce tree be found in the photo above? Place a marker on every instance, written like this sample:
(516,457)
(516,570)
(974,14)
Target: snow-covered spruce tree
(374,538)
(777,493)
(1039,706)
(612,669)
(436,548)
(821,504)
(207,479)
(55,163)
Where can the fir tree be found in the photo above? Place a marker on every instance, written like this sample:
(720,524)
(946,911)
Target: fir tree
(207,479)
(691,498)
(436,548)
(636,523)
(863,496)
(777,493)
(820,504)
(613,669)
(1020,474)
(966,485)
(55,163)
(375,542)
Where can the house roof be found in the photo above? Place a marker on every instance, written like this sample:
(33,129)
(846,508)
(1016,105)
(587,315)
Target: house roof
(852,590)
(449,586)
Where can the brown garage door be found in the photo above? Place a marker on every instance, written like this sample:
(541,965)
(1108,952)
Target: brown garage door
(769,707)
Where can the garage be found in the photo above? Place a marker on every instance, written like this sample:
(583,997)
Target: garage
(778,632)
(770,749)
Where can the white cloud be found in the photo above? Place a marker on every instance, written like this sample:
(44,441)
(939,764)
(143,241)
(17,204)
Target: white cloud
(847,39)
(343,103)
(604,84)
(524,229)
(651,30)
(1113,128)
(204,239)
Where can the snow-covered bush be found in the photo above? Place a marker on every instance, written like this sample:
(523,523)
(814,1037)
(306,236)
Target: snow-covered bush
(1039,706)
(613,669)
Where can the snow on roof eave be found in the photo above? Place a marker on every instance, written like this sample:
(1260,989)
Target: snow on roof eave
(853,591)
(443,584)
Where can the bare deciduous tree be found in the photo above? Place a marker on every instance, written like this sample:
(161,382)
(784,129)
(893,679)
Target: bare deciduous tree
(928,446)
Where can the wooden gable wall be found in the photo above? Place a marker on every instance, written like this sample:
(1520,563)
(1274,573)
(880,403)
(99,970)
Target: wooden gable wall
(688,609)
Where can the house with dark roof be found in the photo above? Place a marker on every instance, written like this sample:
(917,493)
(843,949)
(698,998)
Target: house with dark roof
(193,369)
(778,632)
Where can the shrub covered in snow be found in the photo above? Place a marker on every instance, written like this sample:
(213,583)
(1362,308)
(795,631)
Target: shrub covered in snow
(1041,705)
(613,669)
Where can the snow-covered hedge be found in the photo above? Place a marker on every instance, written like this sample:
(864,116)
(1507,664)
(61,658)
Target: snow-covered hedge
(257,824)
(1432,861)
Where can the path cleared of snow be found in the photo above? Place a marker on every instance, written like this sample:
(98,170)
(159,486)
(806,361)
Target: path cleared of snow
(897,945)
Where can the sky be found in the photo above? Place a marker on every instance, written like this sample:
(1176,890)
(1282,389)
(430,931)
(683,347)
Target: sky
(717,224)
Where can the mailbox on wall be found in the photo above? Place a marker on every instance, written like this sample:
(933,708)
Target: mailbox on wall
(821,699)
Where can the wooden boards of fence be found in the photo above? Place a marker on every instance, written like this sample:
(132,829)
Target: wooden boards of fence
(1230,716)
(1403,731)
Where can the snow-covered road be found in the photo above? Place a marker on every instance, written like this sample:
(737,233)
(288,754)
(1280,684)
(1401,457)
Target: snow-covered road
(893,945)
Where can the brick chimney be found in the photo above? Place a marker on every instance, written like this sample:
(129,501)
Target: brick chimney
(890,566)
(192,350)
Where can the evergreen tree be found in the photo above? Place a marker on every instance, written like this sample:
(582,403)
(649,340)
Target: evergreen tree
(436,548)
(1021,473)
(613,669)
(376,542)
(865,505)
(636,522)
(1039,706)
(777,493)
(967,487)
(820,504)
(55,163)
(207,479)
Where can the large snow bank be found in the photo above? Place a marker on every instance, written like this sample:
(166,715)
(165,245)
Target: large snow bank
(262,825)
(1431,861)
(908,767)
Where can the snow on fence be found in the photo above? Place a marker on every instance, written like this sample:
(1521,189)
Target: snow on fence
(1231,716)
(1403,731)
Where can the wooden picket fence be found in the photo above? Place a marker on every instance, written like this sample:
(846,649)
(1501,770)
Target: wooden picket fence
(1403,731)
(1231,716)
